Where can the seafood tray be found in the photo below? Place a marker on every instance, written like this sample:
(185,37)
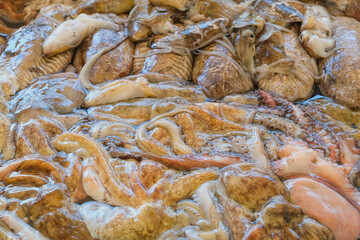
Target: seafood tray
(179,119)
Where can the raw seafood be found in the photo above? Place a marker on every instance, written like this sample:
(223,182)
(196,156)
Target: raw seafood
(286,69)
(308,162)
(219,73)
(327,206)
(55,96)
(112,65)
(195,36)
(221,8)
(120,90)
(145,222)
(179,4)
(342,68)
(103,6)
(19,227)
(168,64)
(71,33)
(280,13)
(26,61)
(173,162)
(101,183)
(316,31)
(41,190)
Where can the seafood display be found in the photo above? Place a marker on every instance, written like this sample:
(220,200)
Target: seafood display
(343,64)
(179,119)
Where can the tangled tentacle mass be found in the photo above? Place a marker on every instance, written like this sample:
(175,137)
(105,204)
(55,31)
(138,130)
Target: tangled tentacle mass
(179,119)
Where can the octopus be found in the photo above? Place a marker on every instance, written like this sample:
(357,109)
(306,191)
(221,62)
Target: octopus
(319,132)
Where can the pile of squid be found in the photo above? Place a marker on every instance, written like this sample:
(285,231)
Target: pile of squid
(179,119)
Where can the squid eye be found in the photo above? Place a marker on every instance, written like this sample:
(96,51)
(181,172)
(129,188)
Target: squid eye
(301,37)
(197,44)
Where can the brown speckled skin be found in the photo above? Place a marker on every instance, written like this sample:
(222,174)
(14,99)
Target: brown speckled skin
(168,63)
(288,85)
(112,65)
(22,54)
(343,67)
(353,9)
(220,78)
